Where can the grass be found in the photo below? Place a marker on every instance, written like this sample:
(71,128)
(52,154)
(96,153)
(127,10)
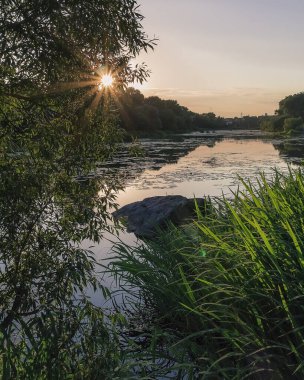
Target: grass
(224,297)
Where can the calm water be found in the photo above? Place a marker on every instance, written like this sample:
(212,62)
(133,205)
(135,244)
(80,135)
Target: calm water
(193,166)
(207,170)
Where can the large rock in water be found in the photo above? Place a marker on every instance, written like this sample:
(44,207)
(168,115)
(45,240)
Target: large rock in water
(145,216)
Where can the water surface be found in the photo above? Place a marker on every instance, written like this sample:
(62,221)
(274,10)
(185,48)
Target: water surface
(204,165)
(211,168)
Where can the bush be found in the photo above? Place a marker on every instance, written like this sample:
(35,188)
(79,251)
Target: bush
(293,125)
(273,124)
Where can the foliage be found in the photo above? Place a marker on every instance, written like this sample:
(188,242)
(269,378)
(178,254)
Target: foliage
(45,42)
(48,206)
(54,53)
(289,117)
(293,125)
(273,124)
(292,105)
(246,122)
(62,343)
(207,121)
(227,294)
(54,129)
(150,115)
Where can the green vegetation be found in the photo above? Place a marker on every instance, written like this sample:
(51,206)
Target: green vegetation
(273,123)
(245,122)
(147,116)
(289,118)
(292,105)
(150,116)
(224,298)
(55,126)
(293,125)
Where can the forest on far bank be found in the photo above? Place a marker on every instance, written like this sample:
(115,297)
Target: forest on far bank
(145,116)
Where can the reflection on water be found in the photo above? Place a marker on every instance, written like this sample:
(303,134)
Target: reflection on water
(191,167)
(208,169)
(292,149)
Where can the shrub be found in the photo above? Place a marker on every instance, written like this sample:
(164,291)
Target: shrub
(293,125)
(273,124)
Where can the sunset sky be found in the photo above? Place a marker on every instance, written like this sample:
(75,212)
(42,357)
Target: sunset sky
(230,57)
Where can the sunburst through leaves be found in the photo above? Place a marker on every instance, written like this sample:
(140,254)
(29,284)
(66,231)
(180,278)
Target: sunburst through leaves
(107,81)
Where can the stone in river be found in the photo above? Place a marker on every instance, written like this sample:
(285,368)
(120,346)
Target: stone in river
(144,217)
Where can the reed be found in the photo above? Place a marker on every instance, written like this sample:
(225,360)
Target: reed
(225,296)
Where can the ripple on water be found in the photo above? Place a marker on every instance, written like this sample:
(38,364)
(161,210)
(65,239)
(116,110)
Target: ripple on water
(210,165)
(204,166)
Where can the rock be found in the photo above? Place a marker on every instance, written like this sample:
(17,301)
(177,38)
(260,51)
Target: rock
(145,216)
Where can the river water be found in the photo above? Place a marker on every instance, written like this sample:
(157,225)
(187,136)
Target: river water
(195,165)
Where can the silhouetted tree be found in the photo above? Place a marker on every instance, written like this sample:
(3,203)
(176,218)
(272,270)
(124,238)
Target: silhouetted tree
(49,205)
(292,105)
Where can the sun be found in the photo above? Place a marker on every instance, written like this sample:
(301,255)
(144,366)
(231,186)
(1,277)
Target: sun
(106,81)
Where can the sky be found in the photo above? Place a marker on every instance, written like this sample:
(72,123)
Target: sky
(230,57)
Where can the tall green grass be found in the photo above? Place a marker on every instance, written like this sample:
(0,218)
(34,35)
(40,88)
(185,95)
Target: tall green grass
(225,296)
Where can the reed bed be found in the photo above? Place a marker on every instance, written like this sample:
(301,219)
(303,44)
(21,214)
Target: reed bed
(223,298)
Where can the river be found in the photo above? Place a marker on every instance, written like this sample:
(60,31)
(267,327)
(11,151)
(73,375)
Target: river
(195,165)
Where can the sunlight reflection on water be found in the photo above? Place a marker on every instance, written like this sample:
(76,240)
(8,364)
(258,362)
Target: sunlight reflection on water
(208,169)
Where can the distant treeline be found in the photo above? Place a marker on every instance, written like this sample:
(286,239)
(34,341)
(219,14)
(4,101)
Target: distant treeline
(288,118)
(151,115)
(144,116)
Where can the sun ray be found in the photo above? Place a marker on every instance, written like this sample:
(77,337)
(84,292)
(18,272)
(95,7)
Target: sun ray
(62,87)
(98,86)
(124,115)
(87,95)
(95,102)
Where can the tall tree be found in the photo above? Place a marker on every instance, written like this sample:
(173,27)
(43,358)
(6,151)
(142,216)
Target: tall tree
(292,105)
(52,54)
(45,41)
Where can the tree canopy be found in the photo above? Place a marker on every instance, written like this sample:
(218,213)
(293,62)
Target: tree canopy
(292,105)
(146,116)
(51,197)
(289,116)
(46,41)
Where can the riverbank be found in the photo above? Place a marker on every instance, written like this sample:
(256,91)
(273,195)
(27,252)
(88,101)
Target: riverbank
(241,132)
(224,296)
(195,164)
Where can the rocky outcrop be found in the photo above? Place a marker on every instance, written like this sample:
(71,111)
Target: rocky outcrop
(144,217)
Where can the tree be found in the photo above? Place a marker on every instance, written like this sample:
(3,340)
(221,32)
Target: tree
(273,123)
(45,41)
(58,50)
(293,125)
(50,140)
(155,101)
(146,118)
(292,105)
(132,98)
